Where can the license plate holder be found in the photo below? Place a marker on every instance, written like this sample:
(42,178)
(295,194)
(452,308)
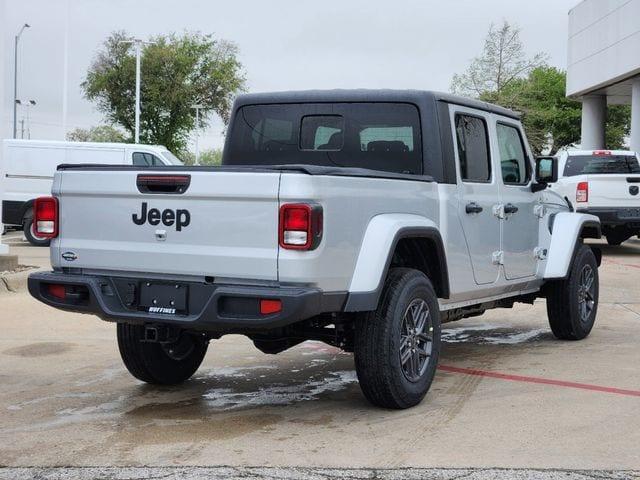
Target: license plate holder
(171,297)
(629,213)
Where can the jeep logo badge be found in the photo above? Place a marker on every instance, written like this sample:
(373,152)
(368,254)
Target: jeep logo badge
(168,217)
(69,256)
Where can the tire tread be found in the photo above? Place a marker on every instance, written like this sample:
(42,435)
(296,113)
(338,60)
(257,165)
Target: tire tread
(562,317)
(378,378)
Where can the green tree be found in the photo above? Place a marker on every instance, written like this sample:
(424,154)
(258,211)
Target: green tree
(552,120)
(207,157)
(101,133)
(504,75)
(177,72)
(618,126)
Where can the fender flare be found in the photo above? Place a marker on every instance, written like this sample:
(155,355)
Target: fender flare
(376,253)
(567,230)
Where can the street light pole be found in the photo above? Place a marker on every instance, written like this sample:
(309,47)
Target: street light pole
(138,50)
(138,44)
(15,80)
(197,109)
(31,103)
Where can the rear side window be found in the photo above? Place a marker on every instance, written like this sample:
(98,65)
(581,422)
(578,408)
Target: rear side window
(377,136)
(473,149)
(600,164)
(513,157)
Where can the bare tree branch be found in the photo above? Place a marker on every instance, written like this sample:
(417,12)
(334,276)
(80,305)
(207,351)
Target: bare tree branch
(502,61)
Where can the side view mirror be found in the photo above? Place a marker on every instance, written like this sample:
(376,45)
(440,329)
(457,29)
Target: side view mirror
(546,172)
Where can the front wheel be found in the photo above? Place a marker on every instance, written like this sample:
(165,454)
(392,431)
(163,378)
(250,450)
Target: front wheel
(160,363)
(397,347)
(572,304)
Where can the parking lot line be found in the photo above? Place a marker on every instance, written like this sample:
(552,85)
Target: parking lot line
(542,381)
(621,264)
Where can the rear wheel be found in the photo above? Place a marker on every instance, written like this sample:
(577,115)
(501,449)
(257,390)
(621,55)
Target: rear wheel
(572,304)
(160,363)
(618,235)
(397,346)
(28,229)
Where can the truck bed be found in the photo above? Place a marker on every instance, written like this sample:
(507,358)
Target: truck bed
(224,226)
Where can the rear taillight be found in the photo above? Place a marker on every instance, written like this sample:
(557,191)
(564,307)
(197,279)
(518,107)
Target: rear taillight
(45,217)
(582,192)
(300,226)
(602,153)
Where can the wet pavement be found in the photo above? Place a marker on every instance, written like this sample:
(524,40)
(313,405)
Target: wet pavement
(66,399)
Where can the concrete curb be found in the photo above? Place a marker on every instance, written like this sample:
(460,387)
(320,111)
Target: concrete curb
(299,473)
(16,282)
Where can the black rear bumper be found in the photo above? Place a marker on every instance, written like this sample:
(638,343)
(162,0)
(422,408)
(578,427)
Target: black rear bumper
(614,217)
(210,307)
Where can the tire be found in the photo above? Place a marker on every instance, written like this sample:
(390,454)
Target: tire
(152,362)
(617,236)
(27,228)
(569,317)
(384,379)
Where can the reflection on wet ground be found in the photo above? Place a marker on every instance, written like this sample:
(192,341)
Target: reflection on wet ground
(232,387)
(494,335)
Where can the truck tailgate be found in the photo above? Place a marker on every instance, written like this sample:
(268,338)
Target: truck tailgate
(613,190)
(225,224)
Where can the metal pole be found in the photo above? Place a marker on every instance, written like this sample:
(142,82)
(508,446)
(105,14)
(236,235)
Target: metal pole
(197,135)
(15,87)
(15,79)
(28,121)
(65,71)
(138,45)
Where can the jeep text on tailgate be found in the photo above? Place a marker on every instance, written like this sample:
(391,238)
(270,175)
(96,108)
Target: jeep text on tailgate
(363,219)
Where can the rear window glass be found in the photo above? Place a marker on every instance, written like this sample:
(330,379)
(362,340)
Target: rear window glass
(595,164)
(377,136)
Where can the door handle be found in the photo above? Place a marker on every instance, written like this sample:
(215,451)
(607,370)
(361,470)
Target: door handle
(473,207)
(510,208)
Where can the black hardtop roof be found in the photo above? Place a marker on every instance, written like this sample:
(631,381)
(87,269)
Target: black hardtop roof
(366,95)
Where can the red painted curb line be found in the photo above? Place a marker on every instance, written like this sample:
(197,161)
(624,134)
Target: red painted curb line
(620,264)
(541,381)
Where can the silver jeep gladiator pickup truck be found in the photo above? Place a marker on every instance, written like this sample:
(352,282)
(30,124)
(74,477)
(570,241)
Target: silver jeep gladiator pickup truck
(363,219)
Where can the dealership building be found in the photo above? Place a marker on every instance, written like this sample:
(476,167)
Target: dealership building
(603,65)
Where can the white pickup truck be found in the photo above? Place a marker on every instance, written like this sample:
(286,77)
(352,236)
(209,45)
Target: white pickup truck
(363,219)
(606,184)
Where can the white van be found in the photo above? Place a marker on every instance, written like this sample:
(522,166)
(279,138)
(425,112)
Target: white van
(27,168)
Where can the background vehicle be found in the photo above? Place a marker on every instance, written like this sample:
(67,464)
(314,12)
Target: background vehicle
(363,219)
(28,166)
(606,184)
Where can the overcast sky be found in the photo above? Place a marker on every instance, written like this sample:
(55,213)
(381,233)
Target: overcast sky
(284,44)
